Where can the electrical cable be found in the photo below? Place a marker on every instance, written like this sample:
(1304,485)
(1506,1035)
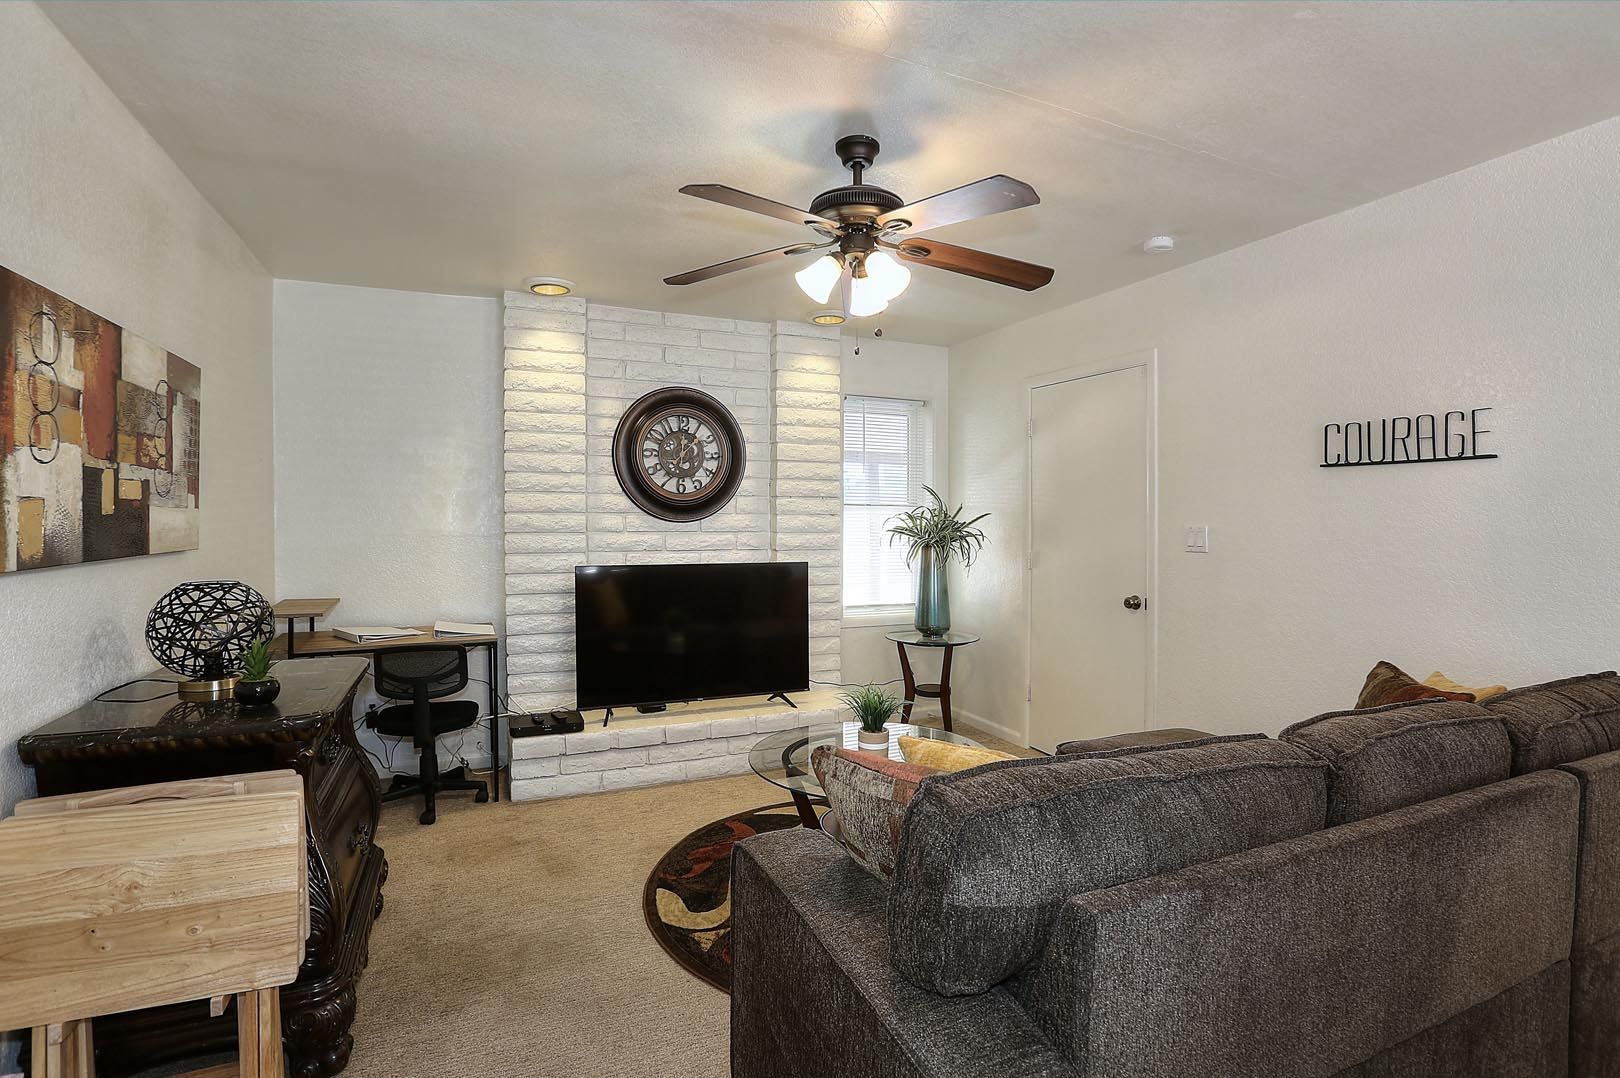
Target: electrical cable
(855,685)
(104,698)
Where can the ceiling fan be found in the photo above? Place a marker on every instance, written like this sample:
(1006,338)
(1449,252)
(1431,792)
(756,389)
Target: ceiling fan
(860,224)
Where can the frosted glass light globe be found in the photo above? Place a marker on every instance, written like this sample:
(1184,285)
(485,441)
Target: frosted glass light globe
(817,279)
(887,273)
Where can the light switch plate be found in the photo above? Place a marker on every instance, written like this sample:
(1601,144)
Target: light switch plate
(1198,538)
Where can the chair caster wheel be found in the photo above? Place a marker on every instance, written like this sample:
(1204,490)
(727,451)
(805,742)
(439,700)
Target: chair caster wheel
(482,797)
(428,817)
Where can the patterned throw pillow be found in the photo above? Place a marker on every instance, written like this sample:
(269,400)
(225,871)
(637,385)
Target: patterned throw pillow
(1437,680)
(944,756)
(869,793)
(1389,684)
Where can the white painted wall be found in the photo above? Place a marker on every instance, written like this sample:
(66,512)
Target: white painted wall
(388,464)
(887,368)
(1491,287)
(90,207)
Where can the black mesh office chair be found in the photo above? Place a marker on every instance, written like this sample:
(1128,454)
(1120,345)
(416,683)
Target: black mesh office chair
(422,674)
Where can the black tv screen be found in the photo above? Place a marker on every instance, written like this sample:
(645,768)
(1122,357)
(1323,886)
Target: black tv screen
(657,634)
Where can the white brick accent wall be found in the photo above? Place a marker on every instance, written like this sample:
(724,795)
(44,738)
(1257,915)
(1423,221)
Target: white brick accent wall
(572,368)
(807,481)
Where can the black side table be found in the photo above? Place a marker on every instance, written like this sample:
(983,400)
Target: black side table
(940,691)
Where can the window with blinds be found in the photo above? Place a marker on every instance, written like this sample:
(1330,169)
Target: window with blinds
(887,450)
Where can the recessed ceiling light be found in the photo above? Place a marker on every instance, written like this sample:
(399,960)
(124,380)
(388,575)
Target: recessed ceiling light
(549,286)
(1159,245)
(827,318)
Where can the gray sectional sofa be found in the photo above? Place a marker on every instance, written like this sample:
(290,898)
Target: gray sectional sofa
(1428,890)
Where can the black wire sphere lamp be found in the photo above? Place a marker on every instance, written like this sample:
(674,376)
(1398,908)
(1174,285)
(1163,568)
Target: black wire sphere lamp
(202,629)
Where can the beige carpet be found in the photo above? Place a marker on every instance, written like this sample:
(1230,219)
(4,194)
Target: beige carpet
(512,943)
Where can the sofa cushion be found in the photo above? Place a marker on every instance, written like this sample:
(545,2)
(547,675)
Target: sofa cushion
(1560,721)
(1388,684)
(869,793)
(1137,741)
(987,856)
(1314,954)
(1389,757)
(813,994)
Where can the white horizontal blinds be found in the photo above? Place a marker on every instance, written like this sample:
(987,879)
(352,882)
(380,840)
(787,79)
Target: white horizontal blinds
(886,456)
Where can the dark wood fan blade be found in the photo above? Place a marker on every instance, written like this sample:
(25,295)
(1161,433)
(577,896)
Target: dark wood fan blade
(980,264)
(981,198)
(742,200)
(745,262)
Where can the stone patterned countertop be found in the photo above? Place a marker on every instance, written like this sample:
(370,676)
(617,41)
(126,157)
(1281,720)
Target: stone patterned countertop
(312,690)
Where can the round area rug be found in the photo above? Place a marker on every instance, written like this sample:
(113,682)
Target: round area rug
(688,896)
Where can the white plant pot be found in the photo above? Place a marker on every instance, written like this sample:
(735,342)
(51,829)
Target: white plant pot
(878,742)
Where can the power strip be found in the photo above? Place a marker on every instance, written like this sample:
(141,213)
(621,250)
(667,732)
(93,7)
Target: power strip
(560,721)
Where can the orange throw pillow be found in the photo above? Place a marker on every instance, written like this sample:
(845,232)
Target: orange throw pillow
(1437,680)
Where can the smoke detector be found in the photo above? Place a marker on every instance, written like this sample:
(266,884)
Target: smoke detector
(1158,245)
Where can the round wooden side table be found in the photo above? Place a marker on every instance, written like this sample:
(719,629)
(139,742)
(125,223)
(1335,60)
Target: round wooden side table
(941,690)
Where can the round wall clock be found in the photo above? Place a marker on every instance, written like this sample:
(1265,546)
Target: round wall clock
(678,454)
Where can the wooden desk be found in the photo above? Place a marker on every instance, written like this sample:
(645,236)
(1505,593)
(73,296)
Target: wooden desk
(157,737)
(326,642)
(293,609)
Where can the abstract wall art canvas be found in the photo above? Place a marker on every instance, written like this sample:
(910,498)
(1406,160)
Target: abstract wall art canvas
(99,453)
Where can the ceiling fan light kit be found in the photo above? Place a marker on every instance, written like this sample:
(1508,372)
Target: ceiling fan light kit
(864,231)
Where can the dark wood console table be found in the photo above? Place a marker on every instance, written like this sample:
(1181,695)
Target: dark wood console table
(309,729)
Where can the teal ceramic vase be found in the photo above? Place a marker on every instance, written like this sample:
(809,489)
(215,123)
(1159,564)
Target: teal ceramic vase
(933,595)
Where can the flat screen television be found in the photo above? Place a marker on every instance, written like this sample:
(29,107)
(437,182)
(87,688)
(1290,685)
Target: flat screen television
(658,634)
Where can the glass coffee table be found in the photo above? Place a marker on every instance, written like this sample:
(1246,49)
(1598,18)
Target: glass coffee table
(783,758)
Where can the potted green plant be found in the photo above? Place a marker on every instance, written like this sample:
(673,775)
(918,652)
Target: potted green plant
(256,688)
(873,706)
(934,535)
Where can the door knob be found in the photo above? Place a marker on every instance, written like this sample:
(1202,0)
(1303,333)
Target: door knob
(1133,602)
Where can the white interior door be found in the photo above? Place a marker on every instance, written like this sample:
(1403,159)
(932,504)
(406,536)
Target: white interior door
(1090,556)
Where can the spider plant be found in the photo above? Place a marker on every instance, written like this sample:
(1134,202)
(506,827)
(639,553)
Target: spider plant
(873,706)
(934,527)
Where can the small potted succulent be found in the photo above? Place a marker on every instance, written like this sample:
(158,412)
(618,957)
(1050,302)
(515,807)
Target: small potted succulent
(256,687)
(873,706)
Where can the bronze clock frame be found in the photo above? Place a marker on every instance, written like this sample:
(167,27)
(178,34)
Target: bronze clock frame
(647,495)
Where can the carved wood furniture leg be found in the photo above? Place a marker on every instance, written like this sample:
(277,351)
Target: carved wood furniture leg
(911,682)
(318,1041)
(945,688)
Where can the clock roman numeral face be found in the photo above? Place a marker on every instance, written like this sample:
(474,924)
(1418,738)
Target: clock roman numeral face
(682,453)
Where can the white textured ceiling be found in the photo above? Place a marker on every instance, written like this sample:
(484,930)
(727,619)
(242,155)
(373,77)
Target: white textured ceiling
(459,147)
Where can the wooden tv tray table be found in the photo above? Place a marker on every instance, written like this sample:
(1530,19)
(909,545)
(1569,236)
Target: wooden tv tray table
(147,896)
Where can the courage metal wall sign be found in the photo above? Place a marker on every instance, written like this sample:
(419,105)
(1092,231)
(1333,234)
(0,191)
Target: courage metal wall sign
(1405,439)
